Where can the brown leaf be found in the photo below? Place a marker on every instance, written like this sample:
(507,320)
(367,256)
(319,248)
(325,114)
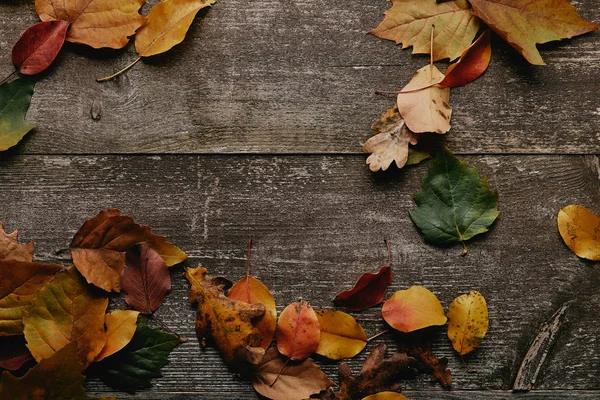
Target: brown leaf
(10,249)
(428,363)
(293,381)
(226,321)
(298,331)
(13,352)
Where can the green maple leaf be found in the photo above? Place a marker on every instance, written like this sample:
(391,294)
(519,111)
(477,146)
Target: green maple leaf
(15,97)
(454,204)
(133,367)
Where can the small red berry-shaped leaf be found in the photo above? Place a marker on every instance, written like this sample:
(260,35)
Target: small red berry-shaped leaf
(38,46)
(298,331)
(473,62)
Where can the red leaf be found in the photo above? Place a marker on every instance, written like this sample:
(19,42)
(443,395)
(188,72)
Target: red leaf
(368,291)
(473,62)
(298,331)
(13,352)
(38,46)
(145,279)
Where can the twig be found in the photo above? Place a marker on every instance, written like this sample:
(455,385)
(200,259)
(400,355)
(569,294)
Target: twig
(379,334)
(8,77)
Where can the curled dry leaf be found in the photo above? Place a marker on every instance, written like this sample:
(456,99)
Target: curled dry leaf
(18,287)
(467,322)
(298,331)
(386,396)
(79,317)
(412,309)
(15,97)
(368,291)
(226,321)
(96,23)
(428,363)
(120,328)
(276,378)
(38,46)
(423,104)
(145,279)
(10,249)
(580,230)
(473,62)
(409,22)
(13,352)
(341,336)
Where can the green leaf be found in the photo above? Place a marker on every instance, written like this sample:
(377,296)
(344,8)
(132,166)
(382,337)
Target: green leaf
(141,360)
(416,156)
(454,204)
(15,97)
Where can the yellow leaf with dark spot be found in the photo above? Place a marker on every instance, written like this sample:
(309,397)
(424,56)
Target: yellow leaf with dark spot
(467,322)
(580,229)
(341,335)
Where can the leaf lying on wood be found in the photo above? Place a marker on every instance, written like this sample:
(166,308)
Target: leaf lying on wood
(409,22)
(15,97)
(120,328)
(428,363)
(473,62)
(226,321)
(278,379)
(38,46)
(386,396)
(412,309)
(467,322)
(525,23)
(64,311)
(13,352)
(454,204)
(96,23)
(18,287)
(10,249)
(56,377)
(298,331)
(341,336)
(580,230)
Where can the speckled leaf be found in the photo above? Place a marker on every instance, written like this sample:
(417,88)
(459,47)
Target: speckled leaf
(467,322)
(580,230)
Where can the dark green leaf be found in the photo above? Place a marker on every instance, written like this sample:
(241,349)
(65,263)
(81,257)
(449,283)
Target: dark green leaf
(454,204)
(15,97)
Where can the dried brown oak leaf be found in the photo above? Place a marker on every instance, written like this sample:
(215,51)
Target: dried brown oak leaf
(226,321)
(428,363)
(10,249)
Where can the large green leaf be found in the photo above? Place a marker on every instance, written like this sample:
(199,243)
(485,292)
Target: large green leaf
(15,97)
(141,360)
(454,204)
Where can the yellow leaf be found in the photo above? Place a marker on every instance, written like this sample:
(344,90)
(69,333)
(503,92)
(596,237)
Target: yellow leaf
(341,335)
(386,396)
(120,327)
(425,108)
(467,322)
(66,310)
(580,229)
(10,249)
(412,309)
(97,23)
(167,25)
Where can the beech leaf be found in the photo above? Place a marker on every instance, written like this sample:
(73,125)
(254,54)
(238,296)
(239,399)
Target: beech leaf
(145,279)
(10,249)
(467,322)
(412,309)
(409,22)
(525,23)
(298,331)
(386,396)
(13,352)
(454,204)
(38,46)
(341,336)
(15,97)
(580,230)
(66,310)
(473,62)
(120,328)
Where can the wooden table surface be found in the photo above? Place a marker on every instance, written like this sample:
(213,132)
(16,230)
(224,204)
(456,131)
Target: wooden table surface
(253,128)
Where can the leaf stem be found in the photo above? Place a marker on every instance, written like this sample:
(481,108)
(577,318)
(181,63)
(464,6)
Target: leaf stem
(279,374)
(108,78)
(379,334)
(469,369)
(465,249)
(431,54)
(8,77)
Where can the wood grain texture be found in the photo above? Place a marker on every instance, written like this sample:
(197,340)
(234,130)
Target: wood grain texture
(317,223)
(297,76)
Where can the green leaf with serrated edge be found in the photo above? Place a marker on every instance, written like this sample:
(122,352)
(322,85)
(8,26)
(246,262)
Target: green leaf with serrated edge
(416,156)
(133,367)
(454,204)
(15,97)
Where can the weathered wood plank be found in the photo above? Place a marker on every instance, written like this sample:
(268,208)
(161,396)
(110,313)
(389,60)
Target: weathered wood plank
(317,223)
(297,76)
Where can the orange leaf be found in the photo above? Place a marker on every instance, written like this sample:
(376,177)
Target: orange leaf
(412,309)
(120,327)
(341,336)
(10,249)
(473,62)
(580,230)
(298,331)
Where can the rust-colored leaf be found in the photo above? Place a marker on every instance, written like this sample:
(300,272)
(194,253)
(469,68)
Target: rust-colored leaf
(298,331)
(428,363)
(341,336)
(13,352)
(10,249)
(38,46)
(473,62)
(412,309)
(120,327)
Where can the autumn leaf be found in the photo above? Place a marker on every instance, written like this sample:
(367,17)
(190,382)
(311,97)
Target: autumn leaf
(473,62)
(412,309)
(99,247)
(467,322)
(580,230)
(10,249)
(292,381)
(298,331)
(525,23)
(409,22)
(13,352)
(428,363)
(226,321)
(423,104)
(341,336)
(145,279)
(386,396)
(15,97)
(38,46)
(120,328)
(18,287)
(56,377)
(66,310)
(96,23)
(454,204)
